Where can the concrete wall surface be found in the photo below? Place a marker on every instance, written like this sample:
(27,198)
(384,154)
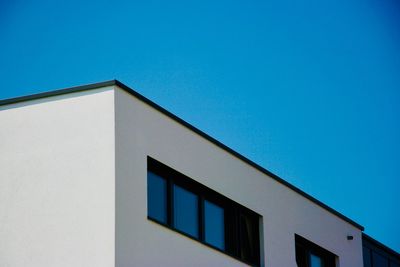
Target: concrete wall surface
(142,131)
(57,181)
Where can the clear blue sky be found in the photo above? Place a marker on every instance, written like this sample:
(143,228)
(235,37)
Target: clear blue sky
(308,89)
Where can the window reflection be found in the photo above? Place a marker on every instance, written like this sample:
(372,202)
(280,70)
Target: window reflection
(315,261)
(309,254)
(183,205)
(186,211)
(214,230)
(157,197)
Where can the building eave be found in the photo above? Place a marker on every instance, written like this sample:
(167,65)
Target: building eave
(185,124)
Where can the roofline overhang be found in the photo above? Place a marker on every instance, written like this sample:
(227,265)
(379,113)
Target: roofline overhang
(185,124)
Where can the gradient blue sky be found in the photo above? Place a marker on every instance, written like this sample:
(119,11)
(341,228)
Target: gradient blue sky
(308,89)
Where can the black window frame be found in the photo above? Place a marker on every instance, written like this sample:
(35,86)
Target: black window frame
(304,248)
(233,245)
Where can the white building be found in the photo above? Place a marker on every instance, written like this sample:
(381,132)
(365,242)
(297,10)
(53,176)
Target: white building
(98,175)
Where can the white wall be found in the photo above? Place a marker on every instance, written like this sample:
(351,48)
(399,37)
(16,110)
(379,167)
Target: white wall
(57,181)
(73,189)
(142,131)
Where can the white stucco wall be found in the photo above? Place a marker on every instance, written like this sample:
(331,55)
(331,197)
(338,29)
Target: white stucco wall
(57,172)
(143,131)
(73,189)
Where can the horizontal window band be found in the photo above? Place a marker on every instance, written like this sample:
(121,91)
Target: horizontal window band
(202,214)
(199,241)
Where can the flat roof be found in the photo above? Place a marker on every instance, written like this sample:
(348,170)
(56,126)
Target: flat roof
(187,125)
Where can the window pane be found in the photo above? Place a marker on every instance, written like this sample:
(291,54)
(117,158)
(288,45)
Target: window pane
(315,261)
(156,197)
(379,261)
(301,256)
(367,257)
(214,225)
(249,250)
(186,211)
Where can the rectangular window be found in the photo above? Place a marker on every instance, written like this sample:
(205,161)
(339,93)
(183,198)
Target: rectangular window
(192,209)
(214,225)
(157,197)
(248,229)
(186,211)
(315,261)
(309,254)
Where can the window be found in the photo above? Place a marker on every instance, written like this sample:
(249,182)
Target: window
(309,254)
(379,260)
(190,208)
(249,234)
(367,257)
(377,255)
(214,225)
(157,197)
(315,261)
(186,212)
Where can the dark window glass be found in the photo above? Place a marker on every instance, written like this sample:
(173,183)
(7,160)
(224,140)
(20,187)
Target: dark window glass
(186,211)
(157,197)
(379,261)
(248,231)
(301,256)
(309,254)
(185,206)
(214,229)
(315,261)
(367,257)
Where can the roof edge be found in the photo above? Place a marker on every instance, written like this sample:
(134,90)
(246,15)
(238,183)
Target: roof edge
(184,123)
(68,90)
(236,154)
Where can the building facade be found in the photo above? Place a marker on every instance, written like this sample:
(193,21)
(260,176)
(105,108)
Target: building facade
(98,175)
(378,255)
